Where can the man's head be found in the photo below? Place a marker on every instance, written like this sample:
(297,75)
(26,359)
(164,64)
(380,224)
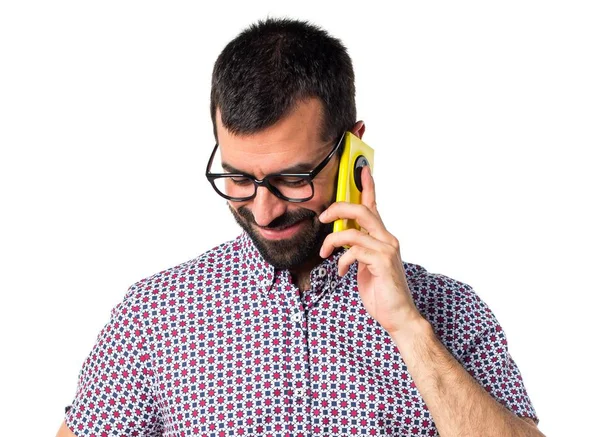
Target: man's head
(282,95)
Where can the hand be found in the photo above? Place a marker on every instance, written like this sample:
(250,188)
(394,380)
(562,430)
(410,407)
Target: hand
(381,277)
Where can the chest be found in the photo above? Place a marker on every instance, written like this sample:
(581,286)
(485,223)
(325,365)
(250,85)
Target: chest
(272,362)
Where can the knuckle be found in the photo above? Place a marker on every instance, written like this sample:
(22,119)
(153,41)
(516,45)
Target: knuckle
(389,252)
(356,233)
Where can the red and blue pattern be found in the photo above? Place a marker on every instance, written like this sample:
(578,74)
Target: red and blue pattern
(225,345)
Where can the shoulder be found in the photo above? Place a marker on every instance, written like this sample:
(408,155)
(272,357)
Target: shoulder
(456,312)
(432,290)
(173,278)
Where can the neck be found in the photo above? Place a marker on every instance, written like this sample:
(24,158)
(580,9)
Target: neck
(301,273)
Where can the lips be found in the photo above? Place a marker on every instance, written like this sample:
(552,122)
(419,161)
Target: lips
(278,233)
(281,228)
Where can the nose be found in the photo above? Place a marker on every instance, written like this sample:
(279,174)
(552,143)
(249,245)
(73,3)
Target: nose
(266,206)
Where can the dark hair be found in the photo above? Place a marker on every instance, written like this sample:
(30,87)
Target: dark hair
(261,74)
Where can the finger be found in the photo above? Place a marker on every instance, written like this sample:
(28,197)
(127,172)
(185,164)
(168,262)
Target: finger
(368,193)
(346,260)
(365,217)
(349,237)
(363,255)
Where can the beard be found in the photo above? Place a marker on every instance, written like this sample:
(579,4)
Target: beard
(290,252)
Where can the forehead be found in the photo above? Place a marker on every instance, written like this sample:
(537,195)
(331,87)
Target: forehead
(295,139)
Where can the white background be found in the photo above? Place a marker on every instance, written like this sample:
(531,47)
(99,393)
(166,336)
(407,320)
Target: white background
(484,116)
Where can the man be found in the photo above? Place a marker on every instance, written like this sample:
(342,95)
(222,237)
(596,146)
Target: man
(283,331)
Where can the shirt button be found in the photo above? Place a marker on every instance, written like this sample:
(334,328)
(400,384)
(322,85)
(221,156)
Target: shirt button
(299,392)
(322,272)
(332,285)
(297,317)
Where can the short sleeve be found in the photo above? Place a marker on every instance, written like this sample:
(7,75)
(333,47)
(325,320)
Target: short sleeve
(484,354)
(114,395)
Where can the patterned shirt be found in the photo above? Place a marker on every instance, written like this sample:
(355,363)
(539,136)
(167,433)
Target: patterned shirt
(226,345)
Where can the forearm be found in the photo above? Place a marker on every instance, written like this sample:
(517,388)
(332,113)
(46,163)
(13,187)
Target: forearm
(458,404)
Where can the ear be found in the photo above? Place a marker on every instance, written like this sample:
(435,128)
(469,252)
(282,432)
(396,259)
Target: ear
(358,129)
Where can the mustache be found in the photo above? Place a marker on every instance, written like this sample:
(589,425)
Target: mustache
(287,219)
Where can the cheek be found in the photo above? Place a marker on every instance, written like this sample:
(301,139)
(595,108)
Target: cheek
(327,190)
(238,206)
(324,197)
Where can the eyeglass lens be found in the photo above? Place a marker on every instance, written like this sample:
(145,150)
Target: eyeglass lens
(292,187)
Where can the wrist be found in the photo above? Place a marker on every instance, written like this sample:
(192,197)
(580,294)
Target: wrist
(417,330)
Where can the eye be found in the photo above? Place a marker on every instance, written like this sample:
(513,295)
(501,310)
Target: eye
(290,181)
(240,180)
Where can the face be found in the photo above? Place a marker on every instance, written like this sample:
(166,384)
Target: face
(286,234)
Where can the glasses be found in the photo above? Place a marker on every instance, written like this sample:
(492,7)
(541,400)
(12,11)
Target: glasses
(293,187)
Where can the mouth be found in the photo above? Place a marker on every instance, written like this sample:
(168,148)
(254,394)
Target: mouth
(279,233)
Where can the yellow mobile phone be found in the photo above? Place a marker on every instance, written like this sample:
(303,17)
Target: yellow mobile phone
(355,156)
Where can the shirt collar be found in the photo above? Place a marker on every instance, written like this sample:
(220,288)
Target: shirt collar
(322,277)
(261,272)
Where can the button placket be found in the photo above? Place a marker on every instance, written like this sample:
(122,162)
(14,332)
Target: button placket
(295,347)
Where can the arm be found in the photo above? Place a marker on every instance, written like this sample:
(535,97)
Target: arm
(114,390)
(458,404)
(64,431)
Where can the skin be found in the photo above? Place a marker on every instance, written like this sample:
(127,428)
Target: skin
(294,139)
(64,431)
(458,404)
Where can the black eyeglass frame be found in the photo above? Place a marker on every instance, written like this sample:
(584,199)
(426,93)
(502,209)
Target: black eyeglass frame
(309,176)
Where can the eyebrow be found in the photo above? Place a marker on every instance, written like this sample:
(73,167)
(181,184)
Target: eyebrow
(303,167)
